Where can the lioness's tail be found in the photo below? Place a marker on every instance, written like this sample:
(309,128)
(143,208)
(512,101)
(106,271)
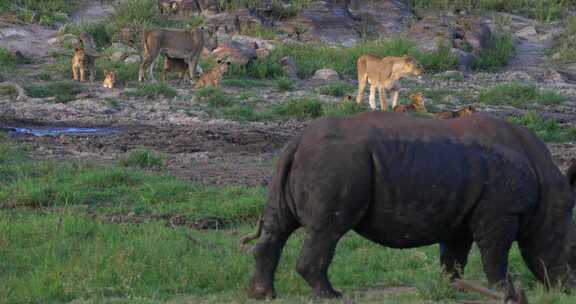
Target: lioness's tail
(276,212)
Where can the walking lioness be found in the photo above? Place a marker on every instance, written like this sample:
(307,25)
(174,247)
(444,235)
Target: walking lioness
(382,74)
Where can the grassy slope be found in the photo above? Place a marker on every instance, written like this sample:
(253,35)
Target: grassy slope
(64,240)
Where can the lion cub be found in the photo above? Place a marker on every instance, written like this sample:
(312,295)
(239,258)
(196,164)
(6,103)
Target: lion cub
(110,80)
(213,77)
(175,65)
(382,74)
(465,111)
(79,65)
(417,105)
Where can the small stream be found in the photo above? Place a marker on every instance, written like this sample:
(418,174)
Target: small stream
(53,131)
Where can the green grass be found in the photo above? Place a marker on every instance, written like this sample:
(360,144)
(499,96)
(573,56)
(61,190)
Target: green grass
(519,95)
(45,12)
(564,47)
(152,90)
(285,84)
(102,32)
(547,129)
(497,56)
(63,91)
(541,10)
(215,97)
(311,57)
(7,60)
(103,235)
(337,89)
(307,107)
(144,159)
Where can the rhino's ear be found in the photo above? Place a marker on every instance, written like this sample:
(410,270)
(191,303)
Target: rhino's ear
(571,173)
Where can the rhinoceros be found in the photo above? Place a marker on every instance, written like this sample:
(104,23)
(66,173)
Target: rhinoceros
(405,182)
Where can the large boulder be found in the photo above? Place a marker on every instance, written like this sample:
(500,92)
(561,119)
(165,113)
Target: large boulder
(381,17)
(237,52)
(329,23)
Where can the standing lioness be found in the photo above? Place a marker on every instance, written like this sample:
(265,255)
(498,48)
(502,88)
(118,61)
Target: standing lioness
(382,74)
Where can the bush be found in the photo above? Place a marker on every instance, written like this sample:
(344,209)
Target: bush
(501,51)
(45,12)
(285,84)
(215,97)
(63,91)
(299,108)
(102,32)
(546,129)
(337,89)
(152,90)
(519,95)
(7,59)
(240,113)
(311,57)
(542,10)
(144,159)
(564,47)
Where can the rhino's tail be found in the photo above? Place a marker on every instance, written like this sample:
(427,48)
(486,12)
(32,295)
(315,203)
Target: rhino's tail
(276,212)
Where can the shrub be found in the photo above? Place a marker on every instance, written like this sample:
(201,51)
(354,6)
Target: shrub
(240,113)
(542,10)
(519,95)
(63,91)
(564,47)
(285,84)
(45,12)
(152,90)
(311,57)
(214,97)
(299,108)
(337,89)
(7,59)
(144,159)
(102,32)
(546,129)
(501,51)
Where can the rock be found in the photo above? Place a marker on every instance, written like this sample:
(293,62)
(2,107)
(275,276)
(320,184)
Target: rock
(209,7)
(527,32)
(262,53)
(120,51)
(329,23)
(553,76)
(244,20)
(326,75)
(465,60)
(117,56)
(132,59)
(237,52)
(381,17)
(453,74)
(516,76)
(289,67)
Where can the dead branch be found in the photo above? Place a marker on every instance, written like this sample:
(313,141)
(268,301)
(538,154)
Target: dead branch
(464,285)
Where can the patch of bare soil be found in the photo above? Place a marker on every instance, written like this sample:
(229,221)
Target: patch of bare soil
(211,154)
(31,39)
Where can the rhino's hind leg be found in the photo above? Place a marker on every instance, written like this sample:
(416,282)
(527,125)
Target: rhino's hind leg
(267,253)
(315,257)
(454,256)
(494,238)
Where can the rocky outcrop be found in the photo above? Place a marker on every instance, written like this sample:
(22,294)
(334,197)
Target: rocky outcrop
(237,52)
(381,18)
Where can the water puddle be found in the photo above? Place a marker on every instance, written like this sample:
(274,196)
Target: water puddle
(51,131)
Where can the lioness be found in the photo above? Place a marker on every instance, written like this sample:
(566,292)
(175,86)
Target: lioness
(176,44)
(465,111)
(213,77)
(110,79)
(382,74)
(417,105)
